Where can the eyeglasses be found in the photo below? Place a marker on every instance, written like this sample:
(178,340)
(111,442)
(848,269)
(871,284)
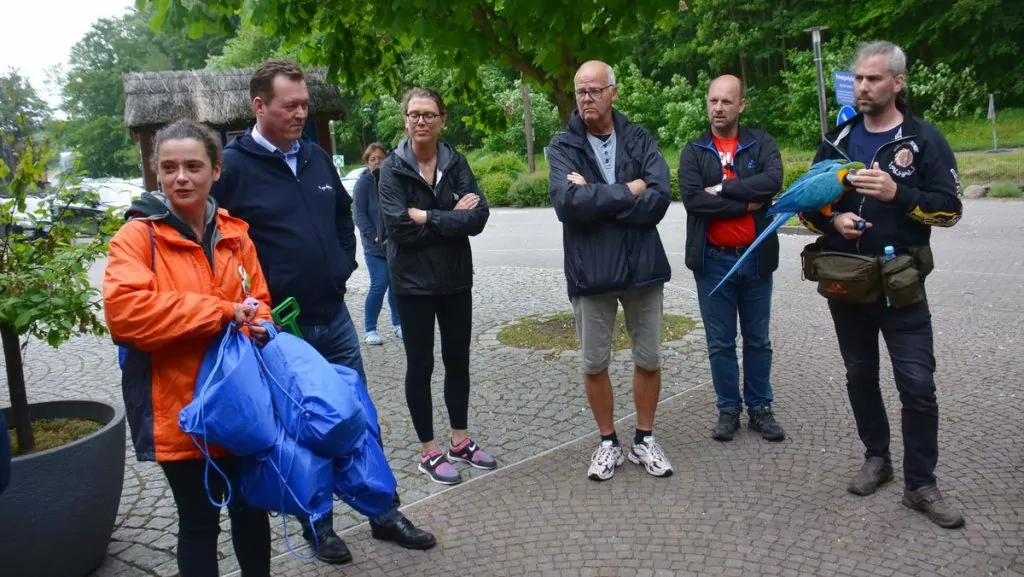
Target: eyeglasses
(428,117)
(594,93)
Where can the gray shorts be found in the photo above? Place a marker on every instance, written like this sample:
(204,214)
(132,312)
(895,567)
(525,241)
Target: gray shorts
(595,319)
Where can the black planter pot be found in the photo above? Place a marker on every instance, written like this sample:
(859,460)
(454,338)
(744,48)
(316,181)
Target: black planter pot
(59,511)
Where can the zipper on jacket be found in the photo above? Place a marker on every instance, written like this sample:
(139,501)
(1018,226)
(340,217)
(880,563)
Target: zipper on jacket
(860,207)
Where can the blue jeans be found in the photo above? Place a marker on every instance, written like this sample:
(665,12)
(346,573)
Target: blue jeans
(748,295)
(339,344)
(378,269)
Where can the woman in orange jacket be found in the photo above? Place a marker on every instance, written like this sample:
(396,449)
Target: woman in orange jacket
(178,272)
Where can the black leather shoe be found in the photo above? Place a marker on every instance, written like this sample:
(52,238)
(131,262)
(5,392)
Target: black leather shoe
(328,547)
(929,501)
(763,421)
(726,427)
(404,533)
(874,473)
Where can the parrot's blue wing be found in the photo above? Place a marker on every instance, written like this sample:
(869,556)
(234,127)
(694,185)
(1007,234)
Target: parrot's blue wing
(780,219)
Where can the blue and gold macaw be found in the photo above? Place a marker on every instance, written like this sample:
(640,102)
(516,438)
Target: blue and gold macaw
(818,189)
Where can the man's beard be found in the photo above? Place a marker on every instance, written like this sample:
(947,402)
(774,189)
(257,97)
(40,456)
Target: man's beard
(876,107)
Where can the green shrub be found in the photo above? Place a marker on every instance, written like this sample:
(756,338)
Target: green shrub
(495,187)
(792,170)
(503,163)
(1004,190)
(529,191)
(673,177)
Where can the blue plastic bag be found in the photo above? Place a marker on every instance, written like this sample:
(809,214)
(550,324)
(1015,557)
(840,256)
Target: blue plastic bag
(314,404)
(231,406)
(288,478)
(364,479)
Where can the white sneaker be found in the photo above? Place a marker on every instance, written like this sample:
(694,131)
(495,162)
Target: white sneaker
(372,338)
(652,457)
(604,461)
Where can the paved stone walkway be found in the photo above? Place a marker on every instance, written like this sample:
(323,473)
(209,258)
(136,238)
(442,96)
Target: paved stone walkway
(744,508)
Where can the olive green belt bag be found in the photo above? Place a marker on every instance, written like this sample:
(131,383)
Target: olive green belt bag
(859,279)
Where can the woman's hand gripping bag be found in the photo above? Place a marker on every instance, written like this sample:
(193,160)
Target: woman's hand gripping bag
(364,479)
(231,406)
(313,403)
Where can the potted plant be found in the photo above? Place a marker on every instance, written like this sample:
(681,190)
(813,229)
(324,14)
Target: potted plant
(68,466)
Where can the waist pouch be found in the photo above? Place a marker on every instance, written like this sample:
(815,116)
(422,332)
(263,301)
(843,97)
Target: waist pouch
(859,279)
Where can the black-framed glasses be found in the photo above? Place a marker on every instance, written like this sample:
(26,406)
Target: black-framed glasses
(593,93)
(428,117)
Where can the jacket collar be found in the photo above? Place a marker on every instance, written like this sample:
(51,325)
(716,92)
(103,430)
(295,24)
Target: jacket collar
(746,138)
(577,129)
(839,133)
(248,144)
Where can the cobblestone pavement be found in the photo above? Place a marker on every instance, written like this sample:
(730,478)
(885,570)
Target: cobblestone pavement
(743,508)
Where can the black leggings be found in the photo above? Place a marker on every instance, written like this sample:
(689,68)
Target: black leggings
(199,520)
(454,313)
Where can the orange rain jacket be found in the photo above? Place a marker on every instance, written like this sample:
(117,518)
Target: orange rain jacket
(166,296)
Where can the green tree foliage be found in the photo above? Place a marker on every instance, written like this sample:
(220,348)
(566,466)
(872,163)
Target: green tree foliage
(94,90)
(546,41)
(22,113)
(45,291)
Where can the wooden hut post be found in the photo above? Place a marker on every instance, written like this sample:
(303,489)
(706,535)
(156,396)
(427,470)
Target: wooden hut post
(145,139)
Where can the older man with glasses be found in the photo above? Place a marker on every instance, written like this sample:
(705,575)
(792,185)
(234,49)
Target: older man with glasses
(610,187)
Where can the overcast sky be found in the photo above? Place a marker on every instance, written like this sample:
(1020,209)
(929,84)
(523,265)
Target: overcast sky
(37,34)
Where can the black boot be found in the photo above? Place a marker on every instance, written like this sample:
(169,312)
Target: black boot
(328,546)
(726,427)
(763,421)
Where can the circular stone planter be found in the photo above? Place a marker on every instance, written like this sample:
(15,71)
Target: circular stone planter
(60,508)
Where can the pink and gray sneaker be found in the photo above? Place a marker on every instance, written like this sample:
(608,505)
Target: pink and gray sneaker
(468,452)
(439,469)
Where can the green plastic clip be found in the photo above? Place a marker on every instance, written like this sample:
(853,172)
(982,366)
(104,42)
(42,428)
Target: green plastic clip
(286,315)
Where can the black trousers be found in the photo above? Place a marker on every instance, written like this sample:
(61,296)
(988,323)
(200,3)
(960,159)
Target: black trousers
(454,314)
(199,520)
(908,336)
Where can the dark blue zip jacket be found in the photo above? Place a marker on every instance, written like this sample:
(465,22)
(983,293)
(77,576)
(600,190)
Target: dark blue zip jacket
(367,203)
(300,223)
(758,168)
(609,236)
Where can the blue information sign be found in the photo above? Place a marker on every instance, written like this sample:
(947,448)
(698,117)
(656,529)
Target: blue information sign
(845,113)
(844,87)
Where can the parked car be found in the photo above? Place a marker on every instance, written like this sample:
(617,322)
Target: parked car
(349,180)
(34,221)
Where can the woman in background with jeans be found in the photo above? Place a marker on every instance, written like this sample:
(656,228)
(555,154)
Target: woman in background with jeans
(431,205)
(368,219)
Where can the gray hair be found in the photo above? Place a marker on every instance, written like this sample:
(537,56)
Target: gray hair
(897,58)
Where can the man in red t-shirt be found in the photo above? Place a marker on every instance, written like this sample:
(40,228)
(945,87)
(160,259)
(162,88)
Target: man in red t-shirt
(727,178)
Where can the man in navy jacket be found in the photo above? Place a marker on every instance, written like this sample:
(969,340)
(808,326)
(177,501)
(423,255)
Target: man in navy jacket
(300,217)
(610,188)
(727,178)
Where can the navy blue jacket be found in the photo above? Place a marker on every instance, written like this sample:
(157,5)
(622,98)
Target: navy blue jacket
(758,168)
(367,204)
(300,223)
(610,237)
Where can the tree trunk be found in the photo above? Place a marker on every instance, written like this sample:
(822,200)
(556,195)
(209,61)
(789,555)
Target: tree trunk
(528,126)
(743,69)
(16,384)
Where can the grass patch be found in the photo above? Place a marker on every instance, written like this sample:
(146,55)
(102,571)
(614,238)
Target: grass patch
(50,433)
(557,332)
(985,167)
(1005,190)
(976,133)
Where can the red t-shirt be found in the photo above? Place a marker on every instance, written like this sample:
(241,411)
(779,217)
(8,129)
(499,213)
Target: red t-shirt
(739,231)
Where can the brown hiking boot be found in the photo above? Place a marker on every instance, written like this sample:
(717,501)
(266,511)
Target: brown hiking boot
(873,474)
(929,501)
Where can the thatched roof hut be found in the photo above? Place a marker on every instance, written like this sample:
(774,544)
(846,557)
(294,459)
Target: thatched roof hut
(217,98)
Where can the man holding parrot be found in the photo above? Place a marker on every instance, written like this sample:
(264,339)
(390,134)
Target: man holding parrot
(727,179)
(909,185)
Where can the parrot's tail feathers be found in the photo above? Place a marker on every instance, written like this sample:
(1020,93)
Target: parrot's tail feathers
(780,219)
